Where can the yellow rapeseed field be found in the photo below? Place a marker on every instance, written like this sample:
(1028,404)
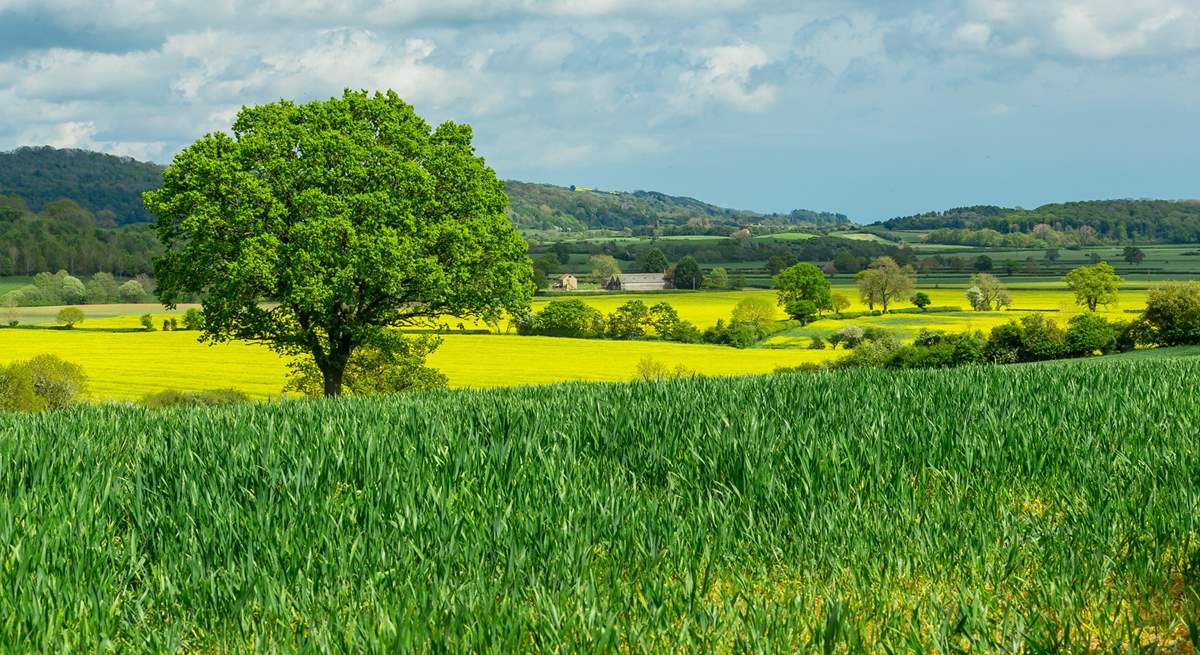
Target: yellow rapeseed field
(128,365)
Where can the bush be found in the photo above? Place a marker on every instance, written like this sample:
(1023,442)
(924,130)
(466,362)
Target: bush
(628,321)
(211,398)
(1173,314)
(652,370)
(44,382)
(193,319)
(849,337)
(1090,333)
(565,318)
(147,322)
(685,332)
(817,343)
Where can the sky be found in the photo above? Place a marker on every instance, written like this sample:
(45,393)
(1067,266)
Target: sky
(870,108)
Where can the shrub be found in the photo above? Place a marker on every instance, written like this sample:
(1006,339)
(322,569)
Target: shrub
(817,343)
(211,398)
(147,322)
(1090,333)
(44,382)
(1173,314)
(193,319)
(849,337)
(566,318)
(652,370)
(70,317)
(685,332)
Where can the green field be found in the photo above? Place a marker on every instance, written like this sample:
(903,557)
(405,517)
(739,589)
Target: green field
(980,509)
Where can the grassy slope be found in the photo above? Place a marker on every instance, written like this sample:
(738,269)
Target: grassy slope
(981,509)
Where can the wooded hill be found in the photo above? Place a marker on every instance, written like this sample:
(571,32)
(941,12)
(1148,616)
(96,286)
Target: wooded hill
(1097,221)
(111,188)
(548,207)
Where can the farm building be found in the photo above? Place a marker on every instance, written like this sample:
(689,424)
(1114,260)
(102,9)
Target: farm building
(637,282)
(567,282)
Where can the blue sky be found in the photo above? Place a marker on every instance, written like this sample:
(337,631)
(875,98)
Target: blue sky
(874,109)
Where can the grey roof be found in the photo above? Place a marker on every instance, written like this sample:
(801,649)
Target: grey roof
(641,278)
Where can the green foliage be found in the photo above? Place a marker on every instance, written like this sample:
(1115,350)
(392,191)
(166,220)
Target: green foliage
(1075,223)
(1172,314)
(65,235)
(884,282)
(1089,334)
(628,321)
(1094,285)
(564,318)
(921,300)
(9,303)
(102,288)
(646,213)
(803,291)
(212,398)
(983,264)
(390,363)
(652,260)
(603,267)
(352,215)
(717,278)
(147,322)
(839,303)
(133,291)
(524,520)
(69,317)
(109,185)
(193,319)
(687,274)
(757,311)
(988,293)
(45,382)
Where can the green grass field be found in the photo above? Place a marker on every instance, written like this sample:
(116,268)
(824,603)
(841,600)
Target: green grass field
(1016,509)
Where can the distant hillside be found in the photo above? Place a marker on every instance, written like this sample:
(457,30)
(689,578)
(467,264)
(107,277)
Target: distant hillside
(109,186)
(1097,221)
(545,207)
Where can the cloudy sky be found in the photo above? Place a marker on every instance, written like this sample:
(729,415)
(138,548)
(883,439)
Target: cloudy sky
(874,109)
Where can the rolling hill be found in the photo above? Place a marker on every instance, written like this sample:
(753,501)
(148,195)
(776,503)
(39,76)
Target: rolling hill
(111,187)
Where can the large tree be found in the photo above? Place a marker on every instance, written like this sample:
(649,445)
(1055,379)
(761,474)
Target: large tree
(884,281)
(1094,285)
(317,227)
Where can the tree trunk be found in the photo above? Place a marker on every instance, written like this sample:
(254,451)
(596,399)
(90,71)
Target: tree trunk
(333,380)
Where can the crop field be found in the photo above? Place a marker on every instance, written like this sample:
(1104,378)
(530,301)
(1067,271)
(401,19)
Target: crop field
(128,365)
(826,512)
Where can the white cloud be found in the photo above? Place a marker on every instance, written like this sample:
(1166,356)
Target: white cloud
(724,74)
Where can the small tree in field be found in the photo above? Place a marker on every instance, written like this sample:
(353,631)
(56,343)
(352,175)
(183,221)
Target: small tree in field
(840,303)
(921,300)
(9,303)
(803,283)
(1094,285)
(315,228)
(147,322)
(70,317)
(885,281)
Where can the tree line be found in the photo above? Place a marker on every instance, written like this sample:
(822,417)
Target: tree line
(64,235)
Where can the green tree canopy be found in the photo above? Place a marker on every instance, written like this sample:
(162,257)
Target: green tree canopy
(652,260)
(687,274)
(315,227)
(803,283)
(885,281)
(1094,285)
(604,266)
